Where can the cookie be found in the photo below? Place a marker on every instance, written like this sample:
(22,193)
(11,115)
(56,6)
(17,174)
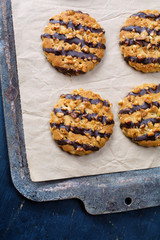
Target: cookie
(81,122)
(140,115)
(140,41)
(73,42)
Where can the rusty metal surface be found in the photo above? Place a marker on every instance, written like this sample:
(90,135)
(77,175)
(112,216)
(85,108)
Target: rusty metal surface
(115,192)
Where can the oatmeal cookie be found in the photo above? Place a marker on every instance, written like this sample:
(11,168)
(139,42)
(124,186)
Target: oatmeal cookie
(81,122)
(140,115)
(73,42)
(140,41)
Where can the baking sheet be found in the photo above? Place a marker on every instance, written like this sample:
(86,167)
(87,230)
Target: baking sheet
(41,85)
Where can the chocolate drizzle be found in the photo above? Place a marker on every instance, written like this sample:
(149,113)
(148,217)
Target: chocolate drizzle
(145,137)
(79,26)
(90,116)
(139,124)
(79,97)
(60,110)
(80,12)
(142,60)
(150,15)
(139,29)
(69,71)
(130,42)
(75,40)
(142,43)
(145,91)
(81,131)
(77,145)
(138,107)
(72,53)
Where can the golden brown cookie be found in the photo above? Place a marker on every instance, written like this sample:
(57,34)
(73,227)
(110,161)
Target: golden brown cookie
(140,115)
(73,42)
(140,41)
(81,122)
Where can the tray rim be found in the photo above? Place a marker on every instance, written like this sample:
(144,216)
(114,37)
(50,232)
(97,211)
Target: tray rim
(112,189)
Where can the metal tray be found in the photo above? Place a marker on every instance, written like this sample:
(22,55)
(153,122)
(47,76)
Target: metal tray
(115,192)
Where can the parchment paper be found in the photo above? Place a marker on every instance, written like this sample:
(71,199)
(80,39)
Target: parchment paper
(41,85)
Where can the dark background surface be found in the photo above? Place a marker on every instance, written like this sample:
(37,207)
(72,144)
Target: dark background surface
(22,219)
